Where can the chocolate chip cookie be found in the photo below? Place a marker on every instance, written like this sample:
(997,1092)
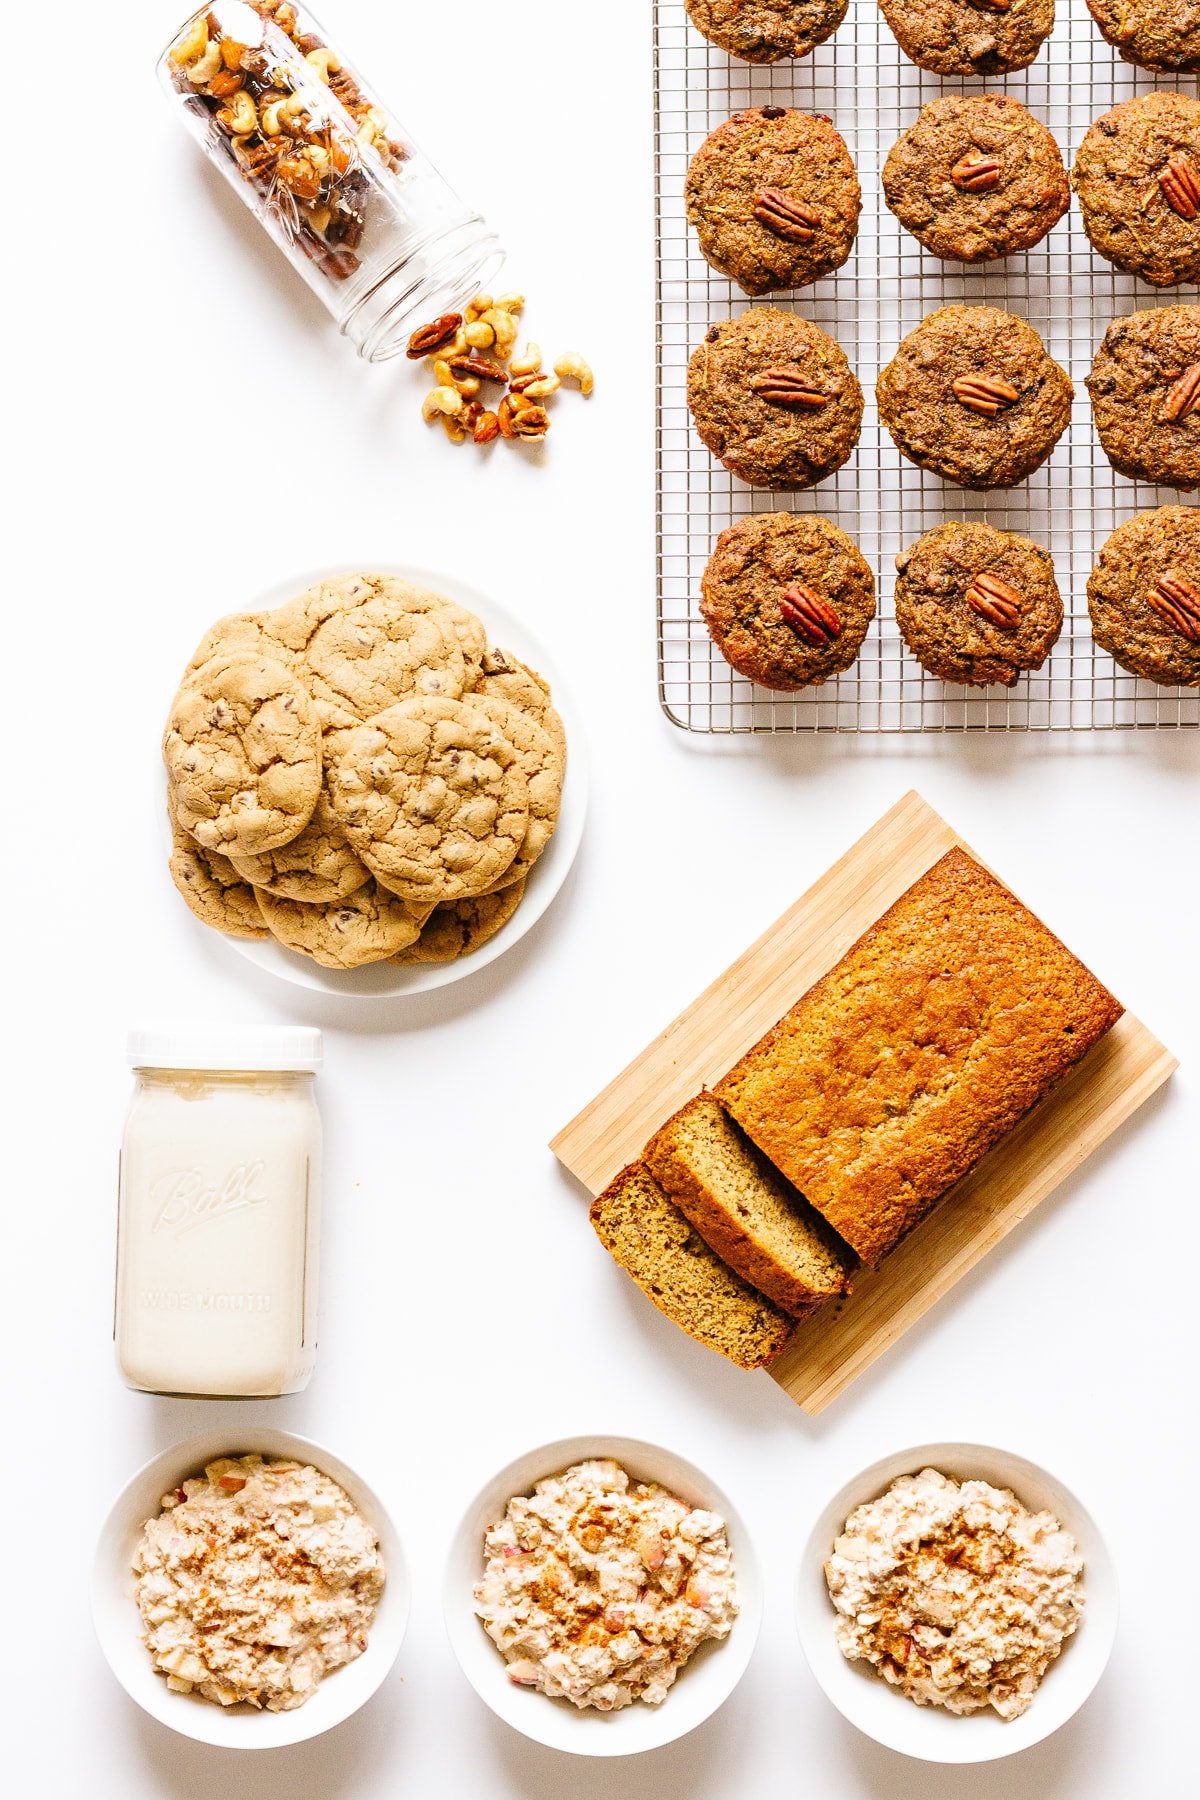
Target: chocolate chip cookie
(969,37)
(1145,391)
(525,689)
(976,177)
(433,797)
(543,766)
(243,754)
(462,926)
(788,598)
(764,31)
(369,640)
(977,606)
(212,887)
(774,399)
(1137,176)
(369,926)
(1144,596)
(973,395)
(774,198)
(318,867)
(1163,35)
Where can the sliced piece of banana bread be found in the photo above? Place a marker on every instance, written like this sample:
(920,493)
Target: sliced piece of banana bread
(674,1267)
(744,1209)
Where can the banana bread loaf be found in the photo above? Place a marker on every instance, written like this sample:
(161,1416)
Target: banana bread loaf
(744,1209)
(675,1268)
(904,1065)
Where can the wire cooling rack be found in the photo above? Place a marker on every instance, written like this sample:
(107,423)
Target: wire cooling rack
(862,80)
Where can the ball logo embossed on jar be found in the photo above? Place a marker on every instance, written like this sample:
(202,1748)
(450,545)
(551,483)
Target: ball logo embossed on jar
(183,1199)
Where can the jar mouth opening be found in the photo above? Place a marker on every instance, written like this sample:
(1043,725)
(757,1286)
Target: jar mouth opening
(383,318)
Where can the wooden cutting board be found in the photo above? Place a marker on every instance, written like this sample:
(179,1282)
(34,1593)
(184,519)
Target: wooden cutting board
(839,1342)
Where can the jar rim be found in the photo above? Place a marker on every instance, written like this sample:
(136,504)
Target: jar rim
(273,1049)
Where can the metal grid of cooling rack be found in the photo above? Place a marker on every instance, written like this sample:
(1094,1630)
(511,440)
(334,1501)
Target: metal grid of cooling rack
(861,79)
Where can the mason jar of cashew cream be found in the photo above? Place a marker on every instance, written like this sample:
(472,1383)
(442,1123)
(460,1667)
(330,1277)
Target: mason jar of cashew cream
(218,1220)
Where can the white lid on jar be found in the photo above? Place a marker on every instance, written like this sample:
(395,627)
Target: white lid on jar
(276,1049)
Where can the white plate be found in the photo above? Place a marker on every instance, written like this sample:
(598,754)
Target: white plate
(700,1688)
(928,1732)
(379,981)
(119,1626)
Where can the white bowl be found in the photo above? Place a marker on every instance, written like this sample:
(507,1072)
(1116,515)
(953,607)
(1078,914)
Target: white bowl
(931,1733)
(386,980)
(700,1688)
(119,1626)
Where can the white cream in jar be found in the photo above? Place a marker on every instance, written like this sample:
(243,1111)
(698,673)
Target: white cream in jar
(219,1213)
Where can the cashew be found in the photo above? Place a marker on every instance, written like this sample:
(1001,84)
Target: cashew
(572,367)
(319,218)
(240,117)
(478,306)
(478,335)
(271,118)
(441,400)
(505,328)
(529,360)
(545,384)
(201,72)
(190,44)
(442,372)
(456,431)
(324,61)
(511,303)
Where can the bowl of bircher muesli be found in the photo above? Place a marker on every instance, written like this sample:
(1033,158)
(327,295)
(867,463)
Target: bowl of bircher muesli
(249,1589)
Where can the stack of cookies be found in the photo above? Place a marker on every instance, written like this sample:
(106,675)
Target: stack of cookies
(360,775)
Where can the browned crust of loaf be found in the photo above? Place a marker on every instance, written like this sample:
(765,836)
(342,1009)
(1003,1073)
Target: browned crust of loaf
(957,976)
(637,1172)
(722,1232)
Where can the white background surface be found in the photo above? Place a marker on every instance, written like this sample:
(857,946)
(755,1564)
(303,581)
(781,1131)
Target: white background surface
(187,429)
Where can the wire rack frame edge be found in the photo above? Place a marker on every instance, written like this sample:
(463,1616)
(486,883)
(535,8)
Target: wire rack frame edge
(862,79)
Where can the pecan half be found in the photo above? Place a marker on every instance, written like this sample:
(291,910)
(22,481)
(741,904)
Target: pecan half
(975,172)
(1184,396)
(810,616)
(983,394)
(431,337)
(1177,600)
(1180,182)
(787,385)
(994,599)
(530,422)
(783,214)
(477,368)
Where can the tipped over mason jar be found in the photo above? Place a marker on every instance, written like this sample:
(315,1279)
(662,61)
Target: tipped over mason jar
(359,211)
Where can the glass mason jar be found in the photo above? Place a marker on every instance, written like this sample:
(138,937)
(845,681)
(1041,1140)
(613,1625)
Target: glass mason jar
(218,1221)
(355,206)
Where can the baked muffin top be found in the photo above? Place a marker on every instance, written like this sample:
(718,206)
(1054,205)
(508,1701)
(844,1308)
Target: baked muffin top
(1145,393)
(976,605)
(1144,596)
(969,37)
(976,177)
(774,398)
(788,598)
(764,31)
(973,395)
(1155,34)
(774,198)
(1137,176)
